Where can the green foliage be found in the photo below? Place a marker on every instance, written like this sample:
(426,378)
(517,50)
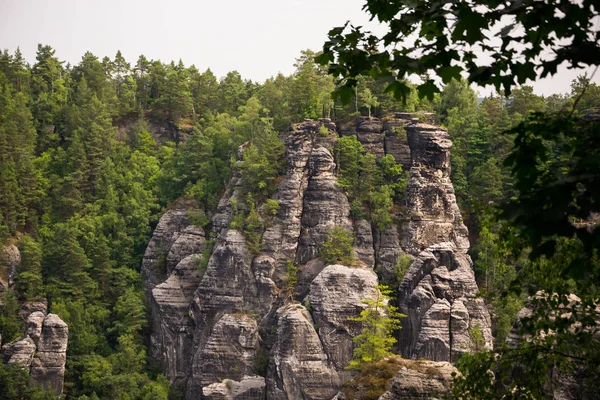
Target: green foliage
(338,247)
(373,379)
(291,278)
(11,325)
(450,39)
(16,384)
(29,275)
(402,266)
(271,207)
(379,320)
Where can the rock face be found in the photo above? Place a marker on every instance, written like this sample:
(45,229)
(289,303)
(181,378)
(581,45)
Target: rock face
(220,322)
(10,258)
(249,388)
(159,260)
(230,350)
(299,368)
(43,351)
(420,380)
(48,367)
(336,294)
(435,217)
(19,352)
(438,297)
(438,293)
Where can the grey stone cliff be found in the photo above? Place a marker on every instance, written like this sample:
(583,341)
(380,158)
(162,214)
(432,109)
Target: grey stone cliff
(213,328)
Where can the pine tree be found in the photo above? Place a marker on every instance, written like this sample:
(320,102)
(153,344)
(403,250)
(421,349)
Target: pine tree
(379,320)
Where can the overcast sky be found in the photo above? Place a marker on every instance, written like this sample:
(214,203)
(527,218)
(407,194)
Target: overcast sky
(258,38)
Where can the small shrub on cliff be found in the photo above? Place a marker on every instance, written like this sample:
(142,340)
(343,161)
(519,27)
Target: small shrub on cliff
(291,278)
(338,247)
(402,266)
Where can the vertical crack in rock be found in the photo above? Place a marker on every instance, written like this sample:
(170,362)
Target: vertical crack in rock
(438,293)
(299,368)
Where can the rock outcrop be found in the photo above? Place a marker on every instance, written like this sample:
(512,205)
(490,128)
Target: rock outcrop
(438,295)
(435,216)
(48,366)
(19,352)
(43,351)
(421,380)
(249,388)
(337,294)
(159,260)
(299,367)
(218,322)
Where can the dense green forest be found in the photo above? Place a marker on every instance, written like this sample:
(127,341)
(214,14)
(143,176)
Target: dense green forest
(92,154)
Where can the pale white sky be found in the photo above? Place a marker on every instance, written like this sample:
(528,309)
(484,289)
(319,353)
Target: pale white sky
(258,38)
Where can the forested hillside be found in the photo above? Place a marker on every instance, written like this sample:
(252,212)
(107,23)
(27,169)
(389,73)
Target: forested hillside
(91,155)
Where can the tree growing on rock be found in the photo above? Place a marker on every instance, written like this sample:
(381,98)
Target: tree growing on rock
(338,247)
(379,320)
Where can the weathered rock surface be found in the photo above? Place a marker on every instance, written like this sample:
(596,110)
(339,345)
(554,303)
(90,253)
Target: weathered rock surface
(34,324)
(396,143)
(280,240)
(325,206)
(227,287)
(438,295)
(337,294)
(10,258)
(29,307)
(434,213)
(173,329)
(171,225)
(370,134)
(364,242)
(19,352)
(299,368)
(48,366)
(43,351)
(249,388)
(387,251)
(421,380)
(210,328)
(230,350)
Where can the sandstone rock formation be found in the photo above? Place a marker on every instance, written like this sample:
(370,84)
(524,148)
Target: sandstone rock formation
(19,352)
(48,367)
(299,367)
(421,380)
(337,294)
(249,388)
(438,295)
(158,260)
(213,328)
(43,351)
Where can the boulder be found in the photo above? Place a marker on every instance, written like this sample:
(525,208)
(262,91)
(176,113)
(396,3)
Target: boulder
(249,388)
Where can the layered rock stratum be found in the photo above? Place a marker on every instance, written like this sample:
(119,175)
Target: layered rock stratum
(225,324)
(43,350)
